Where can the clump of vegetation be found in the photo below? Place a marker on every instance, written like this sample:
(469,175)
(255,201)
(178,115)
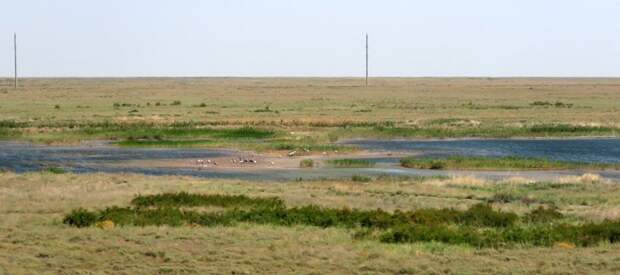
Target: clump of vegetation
(351,163)
(505,163)
(474,130)
(165,143)
(306,163)
(56,107)
(55,170)
(161,133)
(267,109)
(80,218)
(360,178)
(478,226)
(539,235)
(543,215)
(481,215)
(503,197)
(118,105)
(12,124)
(193,200)
(165,209)
(175,103)
(308,146)
(557,104)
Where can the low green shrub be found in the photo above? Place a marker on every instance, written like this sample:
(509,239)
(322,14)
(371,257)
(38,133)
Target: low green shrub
(543,215)
(55,170)
(352,163)
(503,197)
(539,235)
(507,163)
(193,200)
(306,163)
(478,226)
(80,218)
(360,178)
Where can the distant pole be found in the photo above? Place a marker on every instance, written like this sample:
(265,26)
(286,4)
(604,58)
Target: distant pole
(366,60)
(15,56)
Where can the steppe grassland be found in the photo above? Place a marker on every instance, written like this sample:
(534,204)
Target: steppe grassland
(322,100)
(34,239)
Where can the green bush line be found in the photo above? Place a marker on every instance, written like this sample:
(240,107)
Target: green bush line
(484,163)
(164,143)
(306,163)
(138,130)
(430,131)
(351,163)
(272,212)
(314,147)
(193,200)
(160,133)
(113,125)
(478,226)
(538,235)
(147,130)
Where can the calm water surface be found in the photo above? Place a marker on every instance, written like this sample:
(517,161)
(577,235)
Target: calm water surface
(24,157)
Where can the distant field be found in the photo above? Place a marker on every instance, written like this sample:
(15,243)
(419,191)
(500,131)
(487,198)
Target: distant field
(306,101)
(324,109)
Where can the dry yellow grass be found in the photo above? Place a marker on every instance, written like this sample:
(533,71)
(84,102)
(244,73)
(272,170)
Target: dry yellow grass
(301,101)
(33,239)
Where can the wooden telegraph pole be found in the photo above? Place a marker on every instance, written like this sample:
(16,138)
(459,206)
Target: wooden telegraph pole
(15,57)
(366,60)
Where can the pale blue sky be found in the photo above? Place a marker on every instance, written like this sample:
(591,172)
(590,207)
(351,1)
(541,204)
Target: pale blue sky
(312,37)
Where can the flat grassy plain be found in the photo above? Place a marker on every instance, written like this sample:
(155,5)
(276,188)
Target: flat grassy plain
(302,115)
(34,239)
(313,110)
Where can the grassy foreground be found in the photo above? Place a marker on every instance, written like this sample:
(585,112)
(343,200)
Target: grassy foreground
(34,239)
(503,163)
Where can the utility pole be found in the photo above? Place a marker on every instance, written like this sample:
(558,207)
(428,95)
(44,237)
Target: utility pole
(366,60)
(15,56)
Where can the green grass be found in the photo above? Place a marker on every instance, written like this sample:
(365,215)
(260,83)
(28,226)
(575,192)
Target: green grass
(503,163)
(166,209)
(351,163)
(306,163)
(193,200)
(540,235)
(143,130)
(478,226)
(435,129)
(165,143)
(360,178)
(307,146)
(55,170)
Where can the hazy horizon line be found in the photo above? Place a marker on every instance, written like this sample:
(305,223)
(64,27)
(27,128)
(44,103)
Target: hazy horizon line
(309,76)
